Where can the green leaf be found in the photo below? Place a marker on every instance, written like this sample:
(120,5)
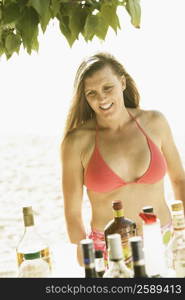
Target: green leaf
(10,13)
(108,12)
(42,8)
(28,27)
(55,7)
(95,25)
(134,10)
(77,20)
(65,29)
(12,42)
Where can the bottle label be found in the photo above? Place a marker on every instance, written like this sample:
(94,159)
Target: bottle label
(44,253)
(178,222)
(180,268)
(118,213)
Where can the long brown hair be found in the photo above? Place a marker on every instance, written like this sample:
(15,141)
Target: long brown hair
(80,111)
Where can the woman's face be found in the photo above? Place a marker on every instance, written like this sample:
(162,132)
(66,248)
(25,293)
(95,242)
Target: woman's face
(104,92)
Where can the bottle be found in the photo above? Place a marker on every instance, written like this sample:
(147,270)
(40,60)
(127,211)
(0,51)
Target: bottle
(117,267)
(176,247)
(88,258)
(125,227)
(138,256)
(34,266)
(153,245)
(31,242)
(99,263)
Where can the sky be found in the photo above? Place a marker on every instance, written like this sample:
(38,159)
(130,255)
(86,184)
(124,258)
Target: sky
(35,91)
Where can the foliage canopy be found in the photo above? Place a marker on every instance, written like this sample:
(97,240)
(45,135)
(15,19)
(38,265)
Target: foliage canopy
(20,20)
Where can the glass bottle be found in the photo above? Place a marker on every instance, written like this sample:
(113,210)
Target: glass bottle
(34,266)
(153,245)
(176,247)
(88,258)
(99,263)
(125,227)
(138,256)
(31,242)
(116,267)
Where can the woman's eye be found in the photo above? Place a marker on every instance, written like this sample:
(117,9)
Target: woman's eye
(91,94)
(108,88)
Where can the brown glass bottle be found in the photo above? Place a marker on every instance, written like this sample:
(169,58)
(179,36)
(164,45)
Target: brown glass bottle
(125,227)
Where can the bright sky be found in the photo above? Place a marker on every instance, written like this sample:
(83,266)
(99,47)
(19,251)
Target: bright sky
(35,90)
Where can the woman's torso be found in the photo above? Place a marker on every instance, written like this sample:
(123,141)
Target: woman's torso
(127,154)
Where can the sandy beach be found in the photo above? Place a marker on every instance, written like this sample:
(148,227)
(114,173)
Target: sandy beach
(30,175)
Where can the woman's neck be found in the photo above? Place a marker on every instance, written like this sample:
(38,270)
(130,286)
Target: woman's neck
(115,123)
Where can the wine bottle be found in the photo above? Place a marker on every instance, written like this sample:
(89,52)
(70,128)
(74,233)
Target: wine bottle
(31,242)
(116,267)
(138,257)
(88,258)
(125,227)
(176,248)
(34,266)
(99,263)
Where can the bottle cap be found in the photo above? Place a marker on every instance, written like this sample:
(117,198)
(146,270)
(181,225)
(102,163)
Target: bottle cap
(28,216)
(117,205)
(88,250)
(148,209)
(148,218)
(115,246)
(98,254)
(27,210)
(177,205)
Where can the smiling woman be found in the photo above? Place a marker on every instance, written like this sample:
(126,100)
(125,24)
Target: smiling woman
(116,149)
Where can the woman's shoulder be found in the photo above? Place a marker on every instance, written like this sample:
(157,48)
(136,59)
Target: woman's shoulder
(148,116)
(81,135)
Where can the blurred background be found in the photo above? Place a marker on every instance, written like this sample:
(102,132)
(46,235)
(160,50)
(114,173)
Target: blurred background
(35,93)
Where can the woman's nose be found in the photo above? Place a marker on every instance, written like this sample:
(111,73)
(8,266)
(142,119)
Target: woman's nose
(101,97)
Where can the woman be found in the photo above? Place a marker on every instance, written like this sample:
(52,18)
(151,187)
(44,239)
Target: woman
(117,150)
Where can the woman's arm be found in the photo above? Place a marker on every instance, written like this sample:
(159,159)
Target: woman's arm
(175,167)
(72,186)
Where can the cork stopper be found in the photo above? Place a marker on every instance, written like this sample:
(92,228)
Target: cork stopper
(177,205)
(117,205)
(28,216)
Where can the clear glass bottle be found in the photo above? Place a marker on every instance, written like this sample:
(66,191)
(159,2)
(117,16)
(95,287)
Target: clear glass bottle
(125,227)
(153,245)
(138,257)
(88,258)
(176,247)
(116,266)
(31,242)
(99,263)
(34,266)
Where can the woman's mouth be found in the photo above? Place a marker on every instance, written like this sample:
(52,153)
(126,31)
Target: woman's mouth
(106,106)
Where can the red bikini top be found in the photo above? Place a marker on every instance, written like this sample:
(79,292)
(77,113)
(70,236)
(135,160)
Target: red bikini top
(100,178)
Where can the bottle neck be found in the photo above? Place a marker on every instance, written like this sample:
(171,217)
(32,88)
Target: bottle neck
(118,214)
(29,229)
(139,269)
(90,271)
